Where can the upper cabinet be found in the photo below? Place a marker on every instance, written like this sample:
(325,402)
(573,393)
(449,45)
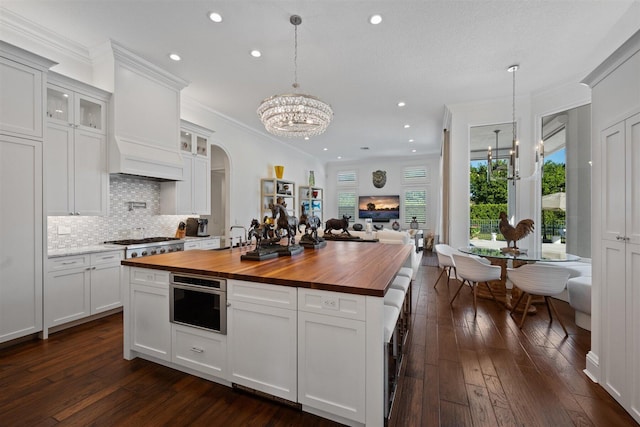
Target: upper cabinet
(191,195)
(76,148)
(22,88)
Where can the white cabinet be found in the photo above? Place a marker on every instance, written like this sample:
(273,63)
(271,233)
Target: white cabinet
(75,149)
(147,322)
(192,195)
(332,352)
(200,350)
(81,285)
(22,92)
(262,337)
(204,243)
(21,237)
(620,149)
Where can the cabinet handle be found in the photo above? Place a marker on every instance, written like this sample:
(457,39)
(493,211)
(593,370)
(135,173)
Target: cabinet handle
(228,304)
(68,262)
(70,124)
(88,268)
(108,257)
(197,350)
(77,213)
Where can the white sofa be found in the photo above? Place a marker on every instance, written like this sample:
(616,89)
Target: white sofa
(394,237)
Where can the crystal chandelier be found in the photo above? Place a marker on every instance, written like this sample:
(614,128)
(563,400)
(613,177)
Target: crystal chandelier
(513,172)
(295,115)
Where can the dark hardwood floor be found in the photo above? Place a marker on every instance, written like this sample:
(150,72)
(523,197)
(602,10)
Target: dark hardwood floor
(459,371)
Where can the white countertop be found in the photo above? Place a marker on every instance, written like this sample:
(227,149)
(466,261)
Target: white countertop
(83,250)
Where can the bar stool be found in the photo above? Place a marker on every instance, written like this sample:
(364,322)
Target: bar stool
(391,356)
(474,272)
(396,298)
(403,283)
(405,271)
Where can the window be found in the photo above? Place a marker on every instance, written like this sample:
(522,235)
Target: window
(415,204)
(347,178)
(347,204)
(415,174)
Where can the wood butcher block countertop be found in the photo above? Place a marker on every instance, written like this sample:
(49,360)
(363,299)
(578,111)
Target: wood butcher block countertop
(349,267)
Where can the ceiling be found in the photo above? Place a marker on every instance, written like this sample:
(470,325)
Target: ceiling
(428,54)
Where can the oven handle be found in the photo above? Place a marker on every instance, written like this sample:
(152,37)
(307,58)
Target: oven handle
(197,288)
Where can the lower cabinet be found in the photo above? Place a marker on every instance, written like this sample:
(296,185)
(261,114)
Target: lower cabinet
(331,353)
(81,285)
(204,243)
(262,338)
(203,351)
(150,329)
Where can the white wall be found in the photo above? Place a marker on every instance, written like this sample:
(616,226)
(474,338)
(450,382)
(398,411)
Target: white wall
(394,185)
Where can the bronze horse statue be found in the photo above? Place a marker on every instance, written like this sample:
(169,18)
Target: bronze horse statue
(285,222)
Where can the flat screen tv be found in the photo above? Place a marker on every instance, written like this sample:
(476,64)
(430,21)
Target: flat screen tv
(379,208)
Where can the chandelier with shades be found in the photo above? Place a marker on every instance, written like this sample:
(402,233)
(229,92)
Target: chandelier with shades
(513,168)
(295,115)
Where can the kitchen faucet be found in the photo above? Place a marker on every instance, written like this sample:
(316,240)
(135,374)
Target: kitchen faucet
(245,234)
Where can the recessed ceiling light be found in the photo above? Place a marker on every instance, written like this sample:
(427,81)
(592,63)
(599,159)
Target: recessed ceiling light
(325,149)
(375,19)
(256,53)
(339,157)
(414,150)
(174,57)
(306,138)
(401,104)
(411,140)
(407,126)
(215,17)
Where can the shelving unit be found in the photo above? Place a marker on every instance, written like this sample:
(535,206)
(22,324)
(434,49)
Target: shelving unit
(311,198)
(272,189)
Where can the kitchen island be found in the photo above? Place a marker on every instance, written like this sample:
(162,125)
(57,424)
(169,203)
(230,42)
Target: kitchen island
(307,329)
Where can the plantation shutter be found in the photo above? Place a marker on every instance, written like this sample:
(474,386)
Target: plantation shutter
(415,204)
(347,204)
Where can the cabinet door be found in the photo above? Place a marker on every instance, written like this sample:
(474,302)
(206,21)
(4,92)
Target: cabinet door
(331,368)
(67,296)
(90,173)
(201,186)
(192,244)
(21,96)
(633,335)
(632,133)
(614,331)
(90,113)
(613,182)
(262,348)
(150,328)
(21,218)
(200,350)
(106,292)
(58,154)
(183,188)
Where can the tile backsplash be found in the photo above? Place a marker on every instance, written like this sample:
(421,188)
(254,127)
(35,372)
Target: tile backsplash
(121,222)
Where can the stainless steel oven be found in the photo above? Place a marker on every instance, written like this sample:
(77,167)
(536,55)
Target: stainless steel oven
(198,301)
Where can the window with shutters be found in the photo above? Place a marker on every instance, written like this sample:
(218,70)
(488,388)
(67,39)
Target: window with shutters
(347,178)
(347,204)
(415,204)
(415,175)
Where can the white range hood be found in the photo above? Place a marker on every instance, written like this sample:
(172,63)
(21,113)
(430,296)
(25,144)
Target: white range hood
(144,115)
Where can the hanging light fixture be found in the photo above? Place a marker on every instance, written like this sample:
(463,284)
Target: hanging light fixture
(295,115)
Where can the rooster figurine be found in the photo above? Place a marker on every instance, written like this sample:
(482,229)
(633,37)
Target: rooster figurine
(513,234)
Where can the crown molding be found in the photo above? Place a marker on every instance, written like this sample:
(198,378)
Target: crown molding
(24,28)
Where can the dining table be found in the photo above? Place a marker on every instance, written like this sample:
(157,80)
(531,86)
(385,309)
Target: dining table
(513,259)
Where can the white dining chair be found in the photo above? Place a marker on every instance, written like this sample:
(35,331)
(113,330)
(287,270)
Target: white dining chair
(540,280)
(473,272)
(445,261)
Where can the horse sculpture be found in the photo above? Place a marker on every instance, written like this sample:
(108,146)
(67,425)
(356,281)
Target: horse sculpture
(256,230)
(312,223)
(284,222)
(303,219)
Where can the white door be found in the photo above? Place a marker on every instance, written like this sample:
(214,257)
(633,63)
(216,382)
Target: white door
(201,186)
(613,182)
(68,294)
(150,328)
(58,152)
(106,292)
(632,131)
(21,223)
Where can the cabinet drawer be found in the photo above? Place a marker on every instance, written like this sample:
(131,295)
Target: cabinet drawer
(335,304)
(192,245)
(211,244)
(68,262)
(145,276)
(106,257)
(262,294)
(203,351)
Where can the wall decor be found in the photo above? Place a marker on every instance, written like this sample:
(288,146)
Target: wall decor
(379,178)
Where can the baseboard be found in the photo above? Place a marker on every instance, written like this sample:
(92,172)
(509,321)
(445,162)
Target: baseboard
(593,367)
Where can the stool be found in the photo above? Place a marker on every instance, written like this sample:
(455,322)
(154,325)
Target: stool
(579,290)
(396,298)
(392,355)
(406,272)
(403,283)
